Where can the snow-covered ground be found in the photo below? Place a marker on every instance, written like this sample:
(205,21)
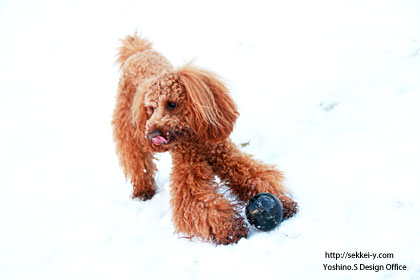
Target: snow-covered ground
(329,91)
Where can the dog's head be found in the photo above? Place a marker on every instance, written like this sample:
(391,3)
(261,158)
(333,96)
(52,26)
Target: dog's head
(188,104)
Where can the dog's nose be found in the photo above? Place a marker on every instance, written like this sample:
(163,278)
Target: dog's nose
(154,133)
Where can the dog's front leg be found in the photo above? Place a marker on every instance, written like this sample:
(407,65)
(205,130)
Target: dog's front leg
(247,176)
(198,210)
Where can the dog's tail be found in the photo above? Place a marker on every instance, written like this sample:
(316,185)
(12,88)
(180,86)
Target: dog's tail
(131,45)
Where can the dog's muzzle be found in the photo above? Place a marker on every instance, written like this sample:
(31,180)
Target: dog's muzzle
(156,137)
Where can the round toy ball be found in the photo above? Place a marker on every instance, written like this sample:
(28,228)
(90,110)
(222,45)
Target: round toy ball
(264,211)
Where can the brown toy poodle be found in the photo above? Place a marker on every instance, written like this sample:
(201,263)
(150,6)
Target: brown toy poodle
(187,111)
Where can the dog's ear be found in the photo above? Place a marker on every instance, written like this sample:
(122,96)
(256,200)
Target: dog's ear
(212,111)
(138,112)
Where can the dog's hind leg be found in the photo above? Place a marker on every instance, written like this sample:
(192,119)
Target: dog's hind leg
(137,164)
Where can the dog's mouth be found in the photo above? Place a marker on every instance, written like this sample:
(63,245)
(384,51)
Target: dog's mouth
(168,137)
(160,140)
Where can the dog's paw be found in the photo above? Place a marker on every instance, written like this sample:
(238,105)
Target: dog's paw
(144,195)
(290,207)
(231,232)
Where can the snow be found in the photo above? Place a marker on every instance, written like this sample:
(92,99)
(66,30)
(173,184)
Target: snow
(328,91)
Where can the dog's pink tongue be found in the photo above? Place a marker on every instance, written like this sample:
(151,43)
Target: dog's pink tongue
(159,140)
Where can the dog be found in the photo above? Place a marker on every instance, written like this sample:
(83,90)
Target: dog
(188,112)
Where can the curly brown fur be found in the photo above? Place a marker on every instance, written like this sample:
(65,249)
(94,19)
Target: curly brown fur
(188,112)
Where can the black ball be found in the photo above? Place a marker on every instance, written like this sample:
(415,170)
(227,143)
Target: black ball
(264,211)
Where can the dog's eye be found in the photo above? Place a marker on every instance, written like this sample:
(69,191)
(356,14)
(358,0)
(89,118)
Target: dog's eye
(171,105)
(151,110)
